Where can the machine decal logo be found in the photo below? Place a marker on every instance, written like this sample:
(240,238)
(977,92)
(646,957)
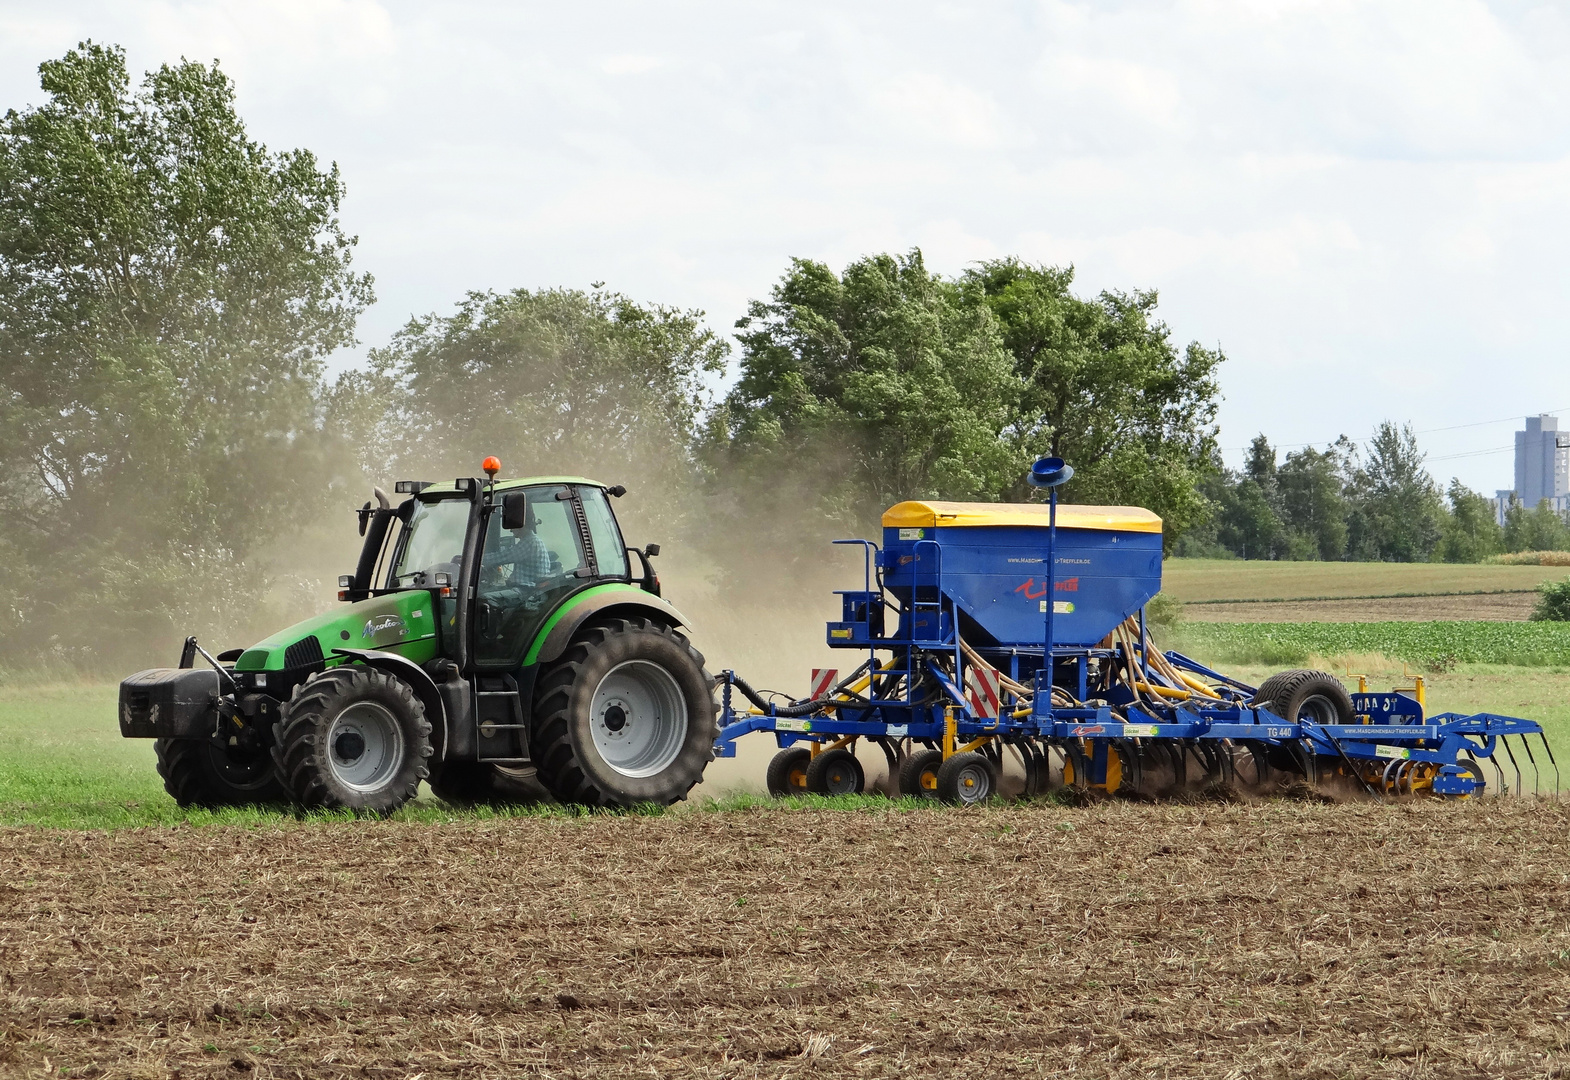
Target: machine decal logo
(380,624)
(1033,592)
(1086,729)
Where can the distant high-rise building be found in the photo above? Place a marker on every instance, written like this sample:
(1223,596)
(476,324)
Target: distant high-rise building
(1542,467)
(1542,461)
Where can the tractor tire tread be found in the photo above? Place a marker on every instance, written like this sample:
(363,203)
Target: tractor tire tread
(295,747)
(551,749)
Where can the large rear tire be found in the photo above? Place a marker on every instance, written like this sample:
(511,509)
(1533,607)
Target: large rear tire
(199,774)
(354,738)
(625,716)
(1316,696)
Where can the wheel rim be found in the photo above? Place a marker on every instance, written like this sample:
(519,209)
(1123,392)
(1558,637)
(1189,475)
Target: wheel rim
(241,770)
(364,746)
(839,778)
(1318,709)
(638,718)
(974,783)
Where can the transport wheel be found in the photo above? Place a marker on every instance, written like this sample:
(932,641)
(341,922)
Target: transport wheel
(918,774)
(199,773)
(788,772)
(966,779)
(1315,696)
(353,738)
(835,772)
(625,716)
(479,783)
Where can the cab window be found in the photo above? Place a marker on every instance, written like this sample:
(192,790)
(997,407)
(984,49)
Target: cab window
(609,553)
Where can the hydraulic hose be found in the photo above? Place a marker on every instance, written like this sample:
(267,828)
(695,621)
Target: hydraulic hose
(806,708)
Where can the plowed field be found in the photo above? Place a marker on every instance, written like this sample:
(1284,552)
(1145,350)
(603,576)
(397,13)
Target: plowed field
(1270,939)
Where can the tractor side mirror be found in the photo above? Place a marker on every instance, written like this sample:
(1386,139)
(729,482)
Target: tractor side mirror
(515,510)
(651,550)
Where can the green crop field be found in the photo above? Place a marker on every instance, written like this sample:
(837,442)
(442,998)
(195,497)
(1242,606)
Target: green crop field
(1426,644)
(1192,580)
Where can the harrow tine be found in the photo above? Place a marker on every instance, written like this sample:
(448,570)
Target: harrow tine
(1549,750)
(1504,785)
(1504,740)
(1536,776)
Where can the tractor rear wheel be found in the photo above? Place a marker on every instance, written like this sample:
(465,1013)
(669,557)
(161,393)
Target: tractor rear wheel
(354,738)
(199,773)
(625,716)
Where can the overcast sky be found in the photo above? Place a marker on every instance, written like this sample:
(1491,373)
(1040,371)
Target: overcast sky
(1366,205)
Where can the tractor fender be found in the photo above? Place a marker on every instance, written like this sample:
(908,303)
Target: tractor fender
(419,681)
(618,601)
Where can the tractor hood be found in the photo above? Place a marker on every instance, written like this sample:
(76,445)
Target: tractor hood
(403,622)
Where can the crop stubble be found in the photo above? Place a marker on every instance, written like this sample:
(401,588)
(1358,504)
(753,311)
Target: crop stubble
(1117,940)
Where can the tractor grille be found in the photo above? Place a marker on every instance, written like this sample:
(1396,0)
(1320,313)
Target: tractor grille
(307,652)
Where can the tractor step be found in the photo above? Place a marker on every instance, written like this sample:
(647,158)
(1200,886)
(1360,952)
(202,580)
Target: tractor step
(501,735)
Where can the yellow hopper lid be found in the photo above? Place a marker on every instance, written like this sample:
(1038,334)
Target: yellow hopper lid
(927,514)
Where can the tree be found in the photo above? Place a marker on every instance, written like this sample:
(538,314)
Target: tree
(1313,508)
(1397,508)
(1538,529)
(1104,387)
(862,389)
(168,288)
(1471,532)
(551,381)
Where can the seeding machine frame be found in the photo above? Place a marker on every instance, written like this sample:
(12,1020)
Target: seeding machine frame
(1086,701)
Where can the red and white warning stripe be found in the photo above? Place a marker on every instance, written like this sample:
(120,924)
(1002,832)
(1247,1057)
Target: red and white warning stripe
(823,680)
(986,691)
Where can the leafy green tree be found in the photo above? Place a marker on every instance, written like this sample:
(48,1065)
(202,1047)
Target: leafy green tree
(1541,528)
(1104,387)
(168,289)
(1471,532)
(1251,528)
(551,381)
(864,388)
(1396,504)
(1250,523)
(1313,507)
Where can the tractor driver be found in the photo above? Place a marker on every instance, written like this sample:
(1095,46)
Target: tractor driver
(531,561)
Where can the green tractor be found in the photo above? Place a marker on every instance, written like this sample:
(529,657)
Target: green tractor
(493,641)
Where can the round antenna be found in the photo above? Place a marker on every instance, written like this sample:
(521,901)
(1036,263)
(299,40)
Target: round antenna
(1050,472)
(492,466)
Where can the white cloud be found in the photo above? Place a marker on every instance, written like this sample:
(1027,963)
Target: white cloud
(1364,201)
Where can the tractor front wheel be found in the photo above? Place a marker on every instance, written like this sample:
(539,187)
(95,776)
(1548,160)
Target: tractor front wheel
(198,772)
(625,716)
(354,738)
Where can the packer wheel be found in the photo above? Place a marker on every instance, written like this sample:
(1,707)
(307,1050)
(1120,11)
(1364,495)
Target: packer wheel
(787,773)
(918,774)
(835,772)
(966,779)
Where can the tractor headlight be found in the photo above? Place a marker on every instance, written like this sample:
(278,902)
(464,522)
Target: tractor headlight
(346,581)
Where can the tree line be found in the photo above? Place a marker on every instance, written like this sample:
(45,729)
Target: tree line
(1375,502)
(174,450)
